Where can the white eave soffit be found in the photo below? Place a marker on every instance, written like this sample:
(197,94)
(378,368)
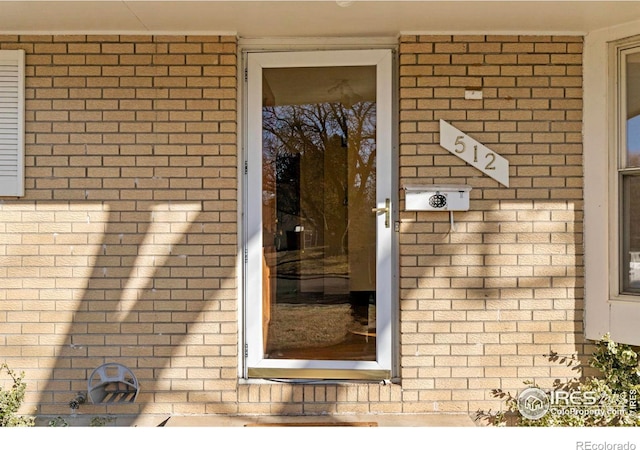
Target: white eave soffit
(328,18)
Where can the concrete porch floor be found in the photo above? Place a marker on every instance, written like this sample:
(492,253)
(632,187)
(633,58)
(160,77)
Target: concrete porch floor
(380,420)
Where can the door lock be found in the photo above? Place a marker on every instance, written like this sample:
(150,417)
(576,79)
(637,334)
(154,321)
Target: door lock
(386,210)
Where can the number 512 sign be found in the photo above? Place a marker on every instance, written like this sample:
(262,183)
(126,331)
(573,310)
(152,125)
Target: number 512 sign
(473,152)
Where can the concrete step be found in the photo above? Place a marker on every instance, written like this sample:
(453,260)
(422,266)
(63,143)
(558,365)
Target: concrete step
(378,420)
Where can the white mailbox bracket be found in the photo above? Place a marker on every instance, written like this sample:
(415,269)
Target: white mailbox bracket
(437,197)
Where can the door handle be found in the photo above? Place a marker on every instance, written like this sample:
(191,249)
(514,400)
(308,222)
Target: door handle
(386,210)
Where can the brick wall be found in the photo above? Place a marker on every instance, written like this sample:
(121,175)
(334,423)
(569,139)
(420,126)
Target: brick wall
(481,306)
(125,245)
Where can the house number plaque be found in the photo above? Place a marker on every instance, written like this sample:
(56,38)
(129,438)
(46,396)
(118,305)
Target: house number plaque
(473,152)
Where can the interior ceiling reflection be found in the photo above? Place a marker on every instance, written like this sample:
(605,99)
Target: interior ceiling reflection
(346,85)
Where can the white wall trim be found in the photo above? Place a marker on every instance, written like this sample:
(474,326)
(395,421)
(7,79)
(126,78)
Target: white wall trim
(315,43)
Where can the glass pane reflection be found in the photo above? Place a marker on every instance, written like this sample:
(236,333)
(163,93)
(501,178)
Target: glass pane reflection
(631,234)
(633,110)
(319,179)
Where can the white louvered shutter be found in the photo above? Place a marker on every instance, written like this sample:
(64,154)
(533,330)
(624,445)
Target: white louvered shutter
(12,123)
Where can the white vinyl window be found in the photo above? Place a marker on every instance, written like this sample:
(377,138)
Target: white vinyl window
(12,123)
(612,187)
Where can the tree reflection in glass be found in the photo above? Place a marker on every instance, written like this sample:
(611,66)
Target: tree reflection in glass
(319,186)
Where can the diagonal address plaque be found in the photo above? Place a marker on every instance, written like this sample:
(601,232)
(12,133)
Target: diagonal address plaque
(473,152)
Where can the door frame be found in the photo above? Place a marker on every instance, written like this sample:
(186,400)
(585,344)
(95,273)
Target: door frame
(253,364)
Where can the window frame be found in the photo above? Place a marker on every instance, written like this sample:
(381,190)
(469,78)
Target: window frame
(606,311)
(620,165)
(618,51)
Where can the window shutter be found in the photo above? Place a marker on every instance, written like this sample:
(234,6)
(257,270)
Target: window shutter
(12,123)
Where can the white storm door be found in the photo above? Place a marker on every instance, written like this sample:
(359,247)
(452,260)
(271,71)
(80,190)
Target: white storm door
(319,215)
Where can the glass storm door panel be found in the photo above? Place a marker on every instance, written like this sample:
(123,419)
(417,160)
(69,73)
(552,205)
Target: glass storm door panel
(318,272)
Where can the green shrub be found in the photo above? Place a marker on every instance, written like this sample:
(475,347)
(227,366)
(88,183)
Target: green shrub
(11,399)
(58,422)
(100,421)
(612,396)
